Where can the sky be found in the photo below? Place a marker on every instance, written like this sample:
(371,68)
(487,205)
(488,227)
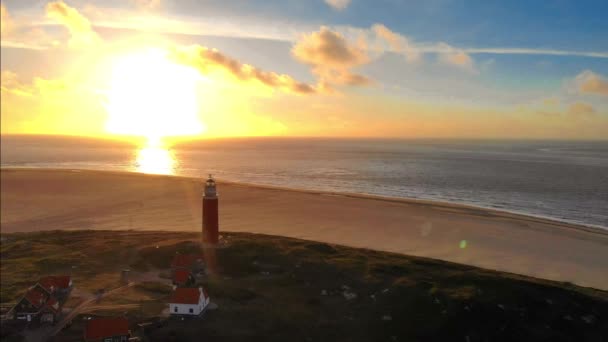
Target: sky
(343,68)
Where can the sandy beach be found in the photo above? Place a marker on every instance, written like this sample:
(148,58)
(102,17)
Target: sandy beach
(33,200)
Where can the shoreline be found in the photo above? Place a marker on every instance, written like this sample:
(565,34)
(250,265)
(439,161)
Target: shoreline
(67,199)
(470,208)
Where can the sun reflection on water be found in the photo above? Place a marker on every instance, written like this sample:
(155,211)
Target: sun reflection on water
(155,160)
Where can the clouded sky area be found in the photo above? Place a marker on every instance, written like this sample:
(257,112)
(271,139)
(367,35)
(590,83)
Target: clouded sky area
(347,68)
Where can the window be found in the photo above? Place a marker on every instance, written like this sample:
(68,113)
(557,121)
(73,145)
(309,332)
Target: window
(191,310)
(175,309)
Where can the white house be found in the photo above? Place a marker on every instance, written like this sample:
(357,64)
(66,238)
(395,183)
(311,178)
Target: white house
(188,301)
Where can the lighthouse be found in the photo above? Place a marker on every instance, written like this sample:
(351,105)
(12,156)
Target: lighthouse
(210,213)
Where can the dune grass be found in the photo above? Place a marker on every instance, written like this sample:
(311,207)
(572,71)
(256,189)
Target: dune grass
(275,288)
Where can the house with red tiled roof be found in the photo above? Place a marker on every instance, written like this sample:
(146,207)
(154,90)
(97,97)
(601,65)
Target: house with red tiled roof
(32,306)
(188,301)
(182,278)
(107,329)
(191,262)
(42,302)
(58,286)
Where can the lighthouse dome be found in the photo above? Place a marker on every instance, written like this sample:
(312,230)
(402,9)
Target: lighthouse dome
(210,189)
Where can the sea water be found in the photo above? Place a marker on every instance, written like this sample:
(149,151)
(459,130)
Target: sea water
(562,180)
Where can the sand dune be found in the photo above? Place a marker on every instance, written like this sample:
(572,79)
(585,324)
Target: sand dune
(61,199)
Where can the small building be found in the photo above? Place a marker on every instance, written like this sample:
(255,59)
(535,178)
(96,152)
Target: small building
(30,306)
(58,286)
(194,263)
(124,275)
(50,311)
(107,329)
(188,301)
(182,278)
(42,302)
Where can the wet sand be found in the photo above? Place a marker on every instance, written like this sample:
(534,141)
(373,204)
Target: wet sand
(33,200)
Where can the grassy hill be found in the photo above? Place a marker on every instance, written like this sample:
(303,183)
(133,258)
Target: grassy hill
(276,289)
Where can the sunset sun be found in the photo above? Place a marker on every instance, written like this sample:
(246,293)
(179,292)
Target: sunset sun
(321,170)
(152,97)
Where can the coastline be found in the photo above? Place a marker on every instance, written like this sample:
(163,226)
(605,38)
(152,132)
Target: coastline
(471,208)
(64,199)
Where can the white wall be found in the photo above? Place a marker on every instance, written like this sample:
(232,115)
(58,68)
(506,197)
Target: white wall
(184,309)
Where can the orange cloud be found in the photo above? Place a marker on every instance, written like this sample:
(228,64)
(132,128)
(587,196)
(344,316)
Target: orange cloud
(331,57)
(590,82)
(581,110)
(398,43)
(6,22)
(338,4)
(147,4)
(81,31)
(457,57)
(15,33)
(39,87)
(207,60)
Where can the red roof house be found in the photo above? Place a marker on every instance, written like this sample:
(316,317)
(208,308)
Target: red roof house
(36,297)
(188,295)
(181,277)
(107,329)
(43,301)
(51,284)
(37,304)
(188,301)
(186,261)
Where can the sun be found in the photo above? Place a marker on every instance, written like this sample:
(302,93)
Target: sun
(152,97)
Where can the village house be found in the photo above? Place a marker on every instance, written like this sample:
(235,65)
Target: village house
(188,301)
(58,286)
(36,305)
(193,263)
(107,329)
(182,278)
(42,302)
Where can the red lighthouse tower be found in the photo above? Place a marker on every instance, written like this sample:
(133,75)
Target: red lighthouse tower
(210,213)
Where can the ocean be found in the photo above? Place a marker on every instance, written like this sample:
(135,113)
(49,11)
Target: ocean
(561,180)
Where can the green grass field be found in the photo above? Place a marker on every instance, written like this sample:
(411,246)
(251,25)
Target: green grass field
(275,288)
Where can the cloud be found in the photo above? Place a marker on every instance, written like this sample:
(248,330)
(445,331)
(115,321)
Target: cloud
(457,57)
(18,34)
(551,109)
(551,102)
(397,43)
(581,110)
(207,61)
(11,85)
(149,5)
(528,51)
(6,22)
(590,82)
(379,39)
(331,57)
(338,4)
(81,31)
(39,87)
